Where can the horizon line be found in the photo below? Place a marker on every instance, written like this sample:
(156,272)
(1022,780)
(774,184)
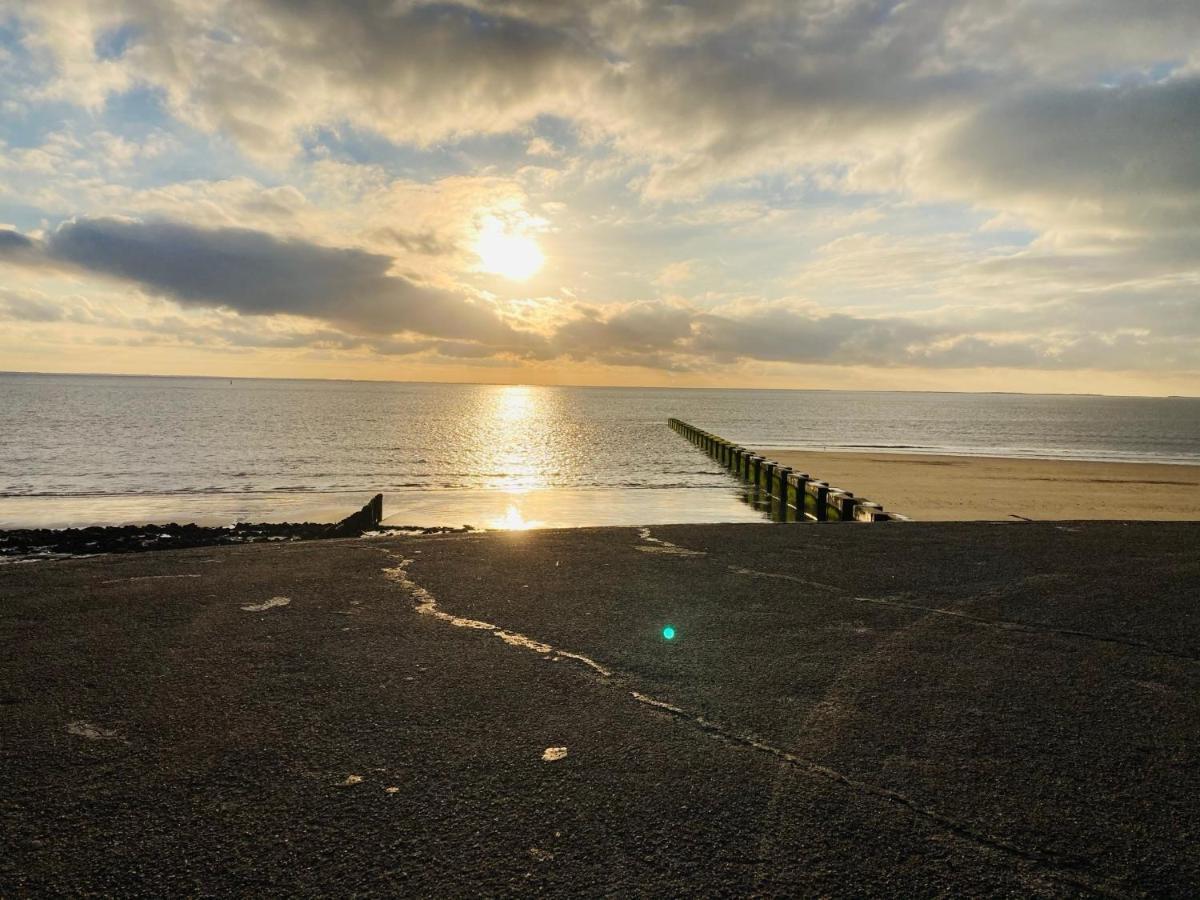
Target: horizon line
(603,386)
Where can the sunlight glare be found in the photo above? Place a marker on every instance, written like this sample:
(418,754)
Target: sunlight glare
(512,520)
(508,251)
(515,404)
(518,459)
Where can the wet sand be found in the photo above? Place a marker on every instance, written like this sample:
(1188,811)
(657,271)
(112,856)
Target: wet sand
(964,488)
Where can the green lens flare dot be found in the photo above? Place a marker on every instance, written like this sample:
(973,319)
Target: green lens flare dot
(669,633)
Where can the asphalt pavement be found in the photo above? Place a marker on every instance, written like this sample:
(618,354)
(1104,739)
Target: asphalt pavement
(902,709)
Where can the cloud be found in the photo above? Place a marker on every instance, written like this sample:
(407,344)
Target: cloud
(676,337)
(427,243)
(790,335)
(262,72)
(637,328)
(1069,127)
(1115,159)
(20,306)
(698,93)
(14,245)
(255,273)
(273,282)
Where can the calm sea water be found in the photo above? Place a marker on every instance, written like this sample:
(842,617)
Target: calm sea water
(80,450)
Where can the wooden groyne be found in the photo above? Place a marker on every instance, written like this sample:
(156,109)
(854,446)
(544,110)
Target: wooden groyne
(366,519)
(793,496)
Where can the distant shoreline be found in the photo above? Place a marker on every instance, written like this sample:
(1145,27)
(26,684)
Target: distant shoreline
(613,387)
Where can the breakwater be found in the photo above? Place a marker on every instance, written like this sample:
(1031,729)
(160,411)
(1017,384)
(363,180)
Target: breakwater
(790,496)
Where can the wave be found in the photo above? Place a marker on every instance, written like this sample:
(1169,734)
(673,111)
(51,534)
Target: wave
(717,482)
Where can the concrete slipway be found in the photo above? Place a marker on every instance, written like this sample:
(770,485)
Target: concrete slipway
(902,709)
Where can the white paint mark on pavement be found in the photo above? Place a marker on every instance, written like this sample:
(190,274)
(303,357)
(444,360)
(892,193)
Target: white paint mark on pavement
(92,732)
(268,604)
(665,548)
(566,654)
(650,701)
(554,754)
(146,578)
(519,640)
(427,606)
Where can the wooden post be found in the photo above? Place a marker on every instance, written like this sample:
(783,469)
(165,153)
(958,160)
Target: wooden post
(869,512)
(817,496)
(798,484)
(780,490)
(840,505)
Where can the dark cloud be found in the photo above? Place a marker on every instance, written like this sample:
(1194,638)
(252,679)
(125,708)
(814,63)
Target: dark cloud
(426,243)
(1121,155)
(255,273)
(787,335)
(13,242)
(17,248)
(674,337)
(412,71)
(1045,337)
(643,328)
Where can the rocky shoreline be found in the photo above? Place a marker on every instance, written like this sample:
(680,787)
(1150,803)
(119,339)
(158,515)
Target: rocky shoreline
(24,544)
(50,543)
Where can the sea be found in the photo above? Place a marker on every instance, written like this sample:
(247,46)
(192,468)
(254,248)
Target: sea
(80,450)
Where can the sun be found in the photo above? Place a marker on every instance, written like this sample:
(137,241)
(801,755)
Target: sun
(506,251)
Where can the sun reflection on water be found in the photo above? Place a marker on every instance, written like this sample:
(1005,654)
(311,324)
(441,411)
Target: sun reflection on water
(517,445)
(518,450)
(512,520)
(514,403)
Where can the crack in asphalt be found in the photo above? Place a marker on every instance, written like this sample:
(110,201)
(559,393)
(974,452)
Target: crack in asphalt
(755,573)
(1003,624)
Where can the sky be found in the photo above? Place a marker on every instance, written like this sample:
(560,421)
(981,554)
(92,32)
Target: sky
(869,194)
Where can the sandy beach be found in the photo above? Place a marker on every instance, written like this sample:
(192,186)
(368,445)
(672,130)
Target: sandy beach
(962,488)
